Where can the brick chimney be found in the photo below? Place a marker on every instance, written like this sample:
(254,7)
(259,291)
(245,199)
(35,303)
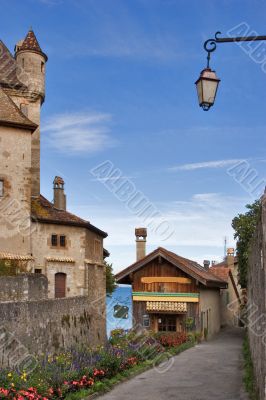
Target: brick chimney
(59,193)
(141,234)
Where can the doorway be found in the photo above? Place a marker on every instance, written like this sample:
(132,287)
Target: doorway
(60,285)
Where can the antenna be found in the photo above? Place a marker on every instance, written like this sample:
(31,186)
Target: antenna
(225,246)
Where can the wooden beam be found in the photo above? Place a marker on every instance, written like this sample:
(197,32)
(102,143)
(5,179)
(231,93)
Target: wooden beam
(234,286)
(157,298)
(165,279)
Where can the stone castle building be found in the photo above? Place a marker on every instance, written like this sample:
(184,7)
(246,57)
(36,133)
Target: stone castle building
(44,236)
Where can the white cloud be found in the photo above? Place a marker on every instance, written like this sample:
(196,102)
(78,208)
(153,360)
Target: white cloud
(80,132)
(200,225)
(205,164)
(129,46)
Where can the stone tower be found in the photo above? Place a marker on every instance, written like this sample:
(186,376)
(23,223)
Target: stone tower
(30,67)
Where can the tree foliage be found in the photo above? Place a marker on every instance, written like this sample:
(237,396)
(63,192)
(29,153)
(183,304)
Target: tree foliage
(12,267)
(110,279)
(244,226)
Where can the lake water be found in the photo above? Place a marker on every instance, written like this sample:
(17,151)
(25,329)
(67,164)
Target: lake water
(119,309)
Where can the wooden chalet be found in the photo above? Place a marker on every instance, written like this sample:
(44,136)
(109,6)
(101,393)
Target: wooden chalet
(172,293)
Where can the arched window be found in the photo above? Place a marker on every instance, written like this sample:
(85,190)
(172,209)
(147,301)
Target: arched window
(60,285)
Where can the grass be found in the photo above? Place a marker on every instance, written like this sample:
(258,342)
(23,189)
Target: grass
(249,378)
(107,384)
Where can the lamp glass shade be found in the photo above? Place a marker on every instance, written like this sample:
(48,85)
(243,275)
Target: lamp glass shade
(207,86)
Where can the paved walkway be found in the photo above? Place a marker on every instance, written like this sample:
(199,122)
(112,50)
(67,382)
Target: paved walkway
(209,371)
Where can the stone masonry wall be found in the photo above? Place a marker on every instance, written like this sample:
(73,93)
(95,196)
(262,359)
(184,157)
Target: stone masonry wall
(23,287)
(48,326)
(256,302)
(15,171)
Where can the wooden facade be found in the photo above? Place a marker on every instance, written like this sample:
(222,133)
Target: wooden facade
(157,290)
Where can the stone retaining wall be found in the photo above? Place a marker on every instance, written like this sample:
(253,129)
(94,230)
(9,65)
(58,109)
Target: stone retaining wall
(256,302)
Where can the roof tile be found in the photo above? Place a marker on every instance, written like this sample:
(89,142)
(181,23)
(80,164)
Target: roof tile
(11,115)
(44,211)
(190,267)
(220,272)
(8,70)
(31,43)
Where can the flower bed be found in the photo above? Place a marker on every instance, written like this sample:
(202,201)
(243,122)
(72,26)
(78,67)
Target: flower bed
(80,369)
(172,339)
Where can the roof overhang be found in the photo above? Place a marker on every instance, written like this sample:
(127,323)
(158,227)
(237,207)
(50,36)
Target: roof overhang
(70,223)
(30,127)
(159,252)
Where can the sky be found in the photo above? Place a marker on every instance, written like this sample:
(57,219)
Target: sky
(121,121)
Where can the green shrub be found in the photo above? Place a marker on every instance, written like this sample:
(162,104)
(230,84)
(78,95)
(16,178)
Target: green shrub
(249,379)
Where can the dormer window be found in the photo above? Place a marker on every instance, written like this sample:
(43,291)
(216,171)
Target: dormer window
(1,188)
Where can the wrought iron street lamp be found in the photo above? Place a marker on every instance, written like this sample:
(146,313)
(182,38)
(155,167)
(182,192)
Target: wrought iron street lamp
(208,83)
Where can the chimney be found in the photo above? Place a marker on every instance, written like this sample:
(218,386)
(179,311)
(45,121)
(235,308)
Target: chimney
(230,257)
(59,194)
(206,264)
(141,234)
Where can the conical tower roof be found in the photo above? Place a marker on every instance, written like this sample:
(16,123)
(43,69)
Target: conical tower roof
(31,43)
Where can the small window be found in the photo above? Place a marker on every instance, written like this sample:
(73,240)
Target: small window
(42,67)
(54,240)
(62,241)
(38,271)
(146,321)
(1,188)
(167,323)
(23,63)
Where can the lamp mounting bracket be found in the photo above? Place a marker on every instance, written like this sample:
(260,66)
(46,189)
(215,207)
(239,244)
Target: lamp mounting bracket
(211,44)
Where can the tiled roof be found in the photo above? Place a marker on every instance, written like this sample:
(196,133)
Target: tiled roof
(31,43)
(106,253)
(224,263)
(8,73)
(188,266)
(60,259)
(44,211)
(10,256)
(11,115)
(221,272)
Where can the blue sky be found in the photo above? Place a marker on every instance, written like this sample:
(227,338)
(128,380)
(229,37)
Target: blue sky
(120,87)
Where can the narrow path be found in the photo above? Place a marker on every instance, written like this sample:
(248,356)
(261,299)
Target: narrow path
(209,371)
